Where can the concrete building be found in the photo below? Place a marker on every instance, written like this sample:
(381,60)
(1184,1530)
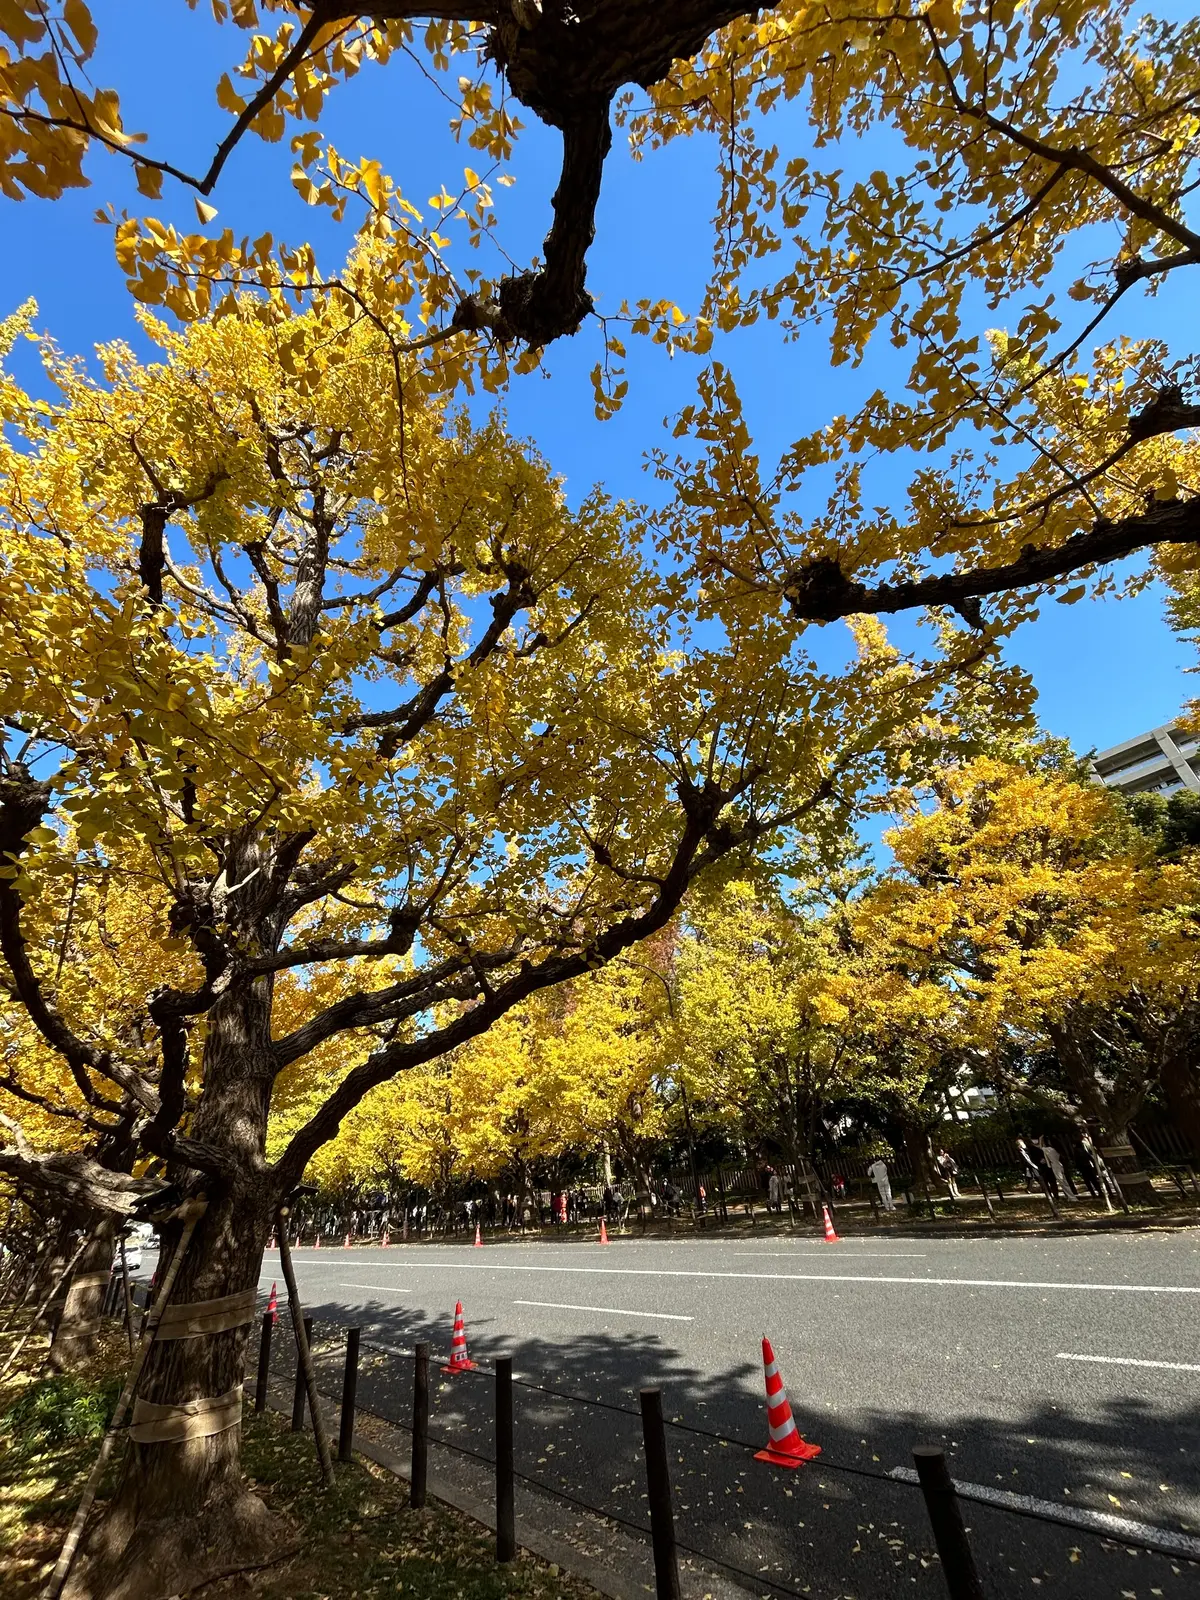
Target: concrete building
(1156,762)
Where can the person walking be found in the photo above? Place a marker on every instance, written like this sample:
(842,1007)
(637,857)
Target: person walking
(1045,1171)
(878,1174)
(1030,1168)
(774,1191)
(1085,1164)
(1054,1162)
(948,1172)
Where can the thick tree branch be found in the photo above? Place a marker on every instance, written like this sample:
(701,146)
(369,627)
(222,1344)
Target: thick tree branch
(705,837)
(76,1180)
(819,591)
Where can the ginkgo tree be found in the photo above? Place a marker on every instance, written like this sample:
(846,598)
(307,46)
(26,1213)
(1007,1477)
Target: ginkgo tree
(1035,173)
(1031,898)
(767,1012)
(568,1073)
(383,739)
(69,1142)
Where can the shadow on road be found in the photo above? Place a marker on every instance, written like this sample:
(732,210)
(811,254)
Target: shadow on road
(838,1529)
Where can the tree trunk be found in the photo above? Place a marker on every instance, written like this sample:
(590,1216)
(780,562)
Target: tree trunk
(918,1148)
(50,1268)
(1181,1084)
(1108,1120)
(181,1514)
(79,1325)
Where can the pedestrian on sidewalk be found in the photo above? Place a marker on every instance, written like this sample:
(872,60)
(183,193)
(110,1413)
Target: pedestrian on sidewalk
(1085,1163)
(1054,1161)
(1030,1169)
(878,1174)
(948,1172)
(1045,1171)
(774,1191)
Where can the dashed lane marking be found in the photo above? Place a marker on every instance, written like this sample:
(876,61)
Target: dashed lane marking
(1130,1361)
(608,1311)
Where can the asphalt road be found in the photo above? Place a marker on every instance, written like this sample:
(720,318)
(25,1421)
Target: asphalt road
(1062,1368)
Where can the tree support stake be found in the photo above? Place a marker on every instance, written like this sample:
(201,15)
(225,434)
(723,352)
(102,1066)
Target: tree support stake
(303,1349)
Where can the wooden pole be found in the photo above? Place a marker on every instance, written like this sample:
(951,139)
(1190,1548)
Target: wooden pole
(658,1486)
(263,1376)
(303,1349)
(949,1531)
(126,1303)
(349,1396)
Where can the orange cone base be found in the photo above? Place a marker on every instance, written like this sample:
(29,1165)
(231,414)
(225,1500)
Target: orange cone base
(459,1366)
(805,1452)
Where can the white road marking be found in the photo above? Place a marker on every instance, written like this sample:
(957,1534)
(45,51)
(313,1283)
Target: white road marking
(1129,1361)
(387,1288)
(608,1311)
(815,1277)
(1103,1522)
(858,1255)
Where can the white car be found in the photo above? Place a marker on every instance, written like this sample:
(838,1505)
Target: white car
(133,1255)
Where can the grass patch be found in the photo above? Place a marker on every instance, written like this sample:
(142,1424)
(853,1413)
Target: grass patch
(50,1431)
(359,1540)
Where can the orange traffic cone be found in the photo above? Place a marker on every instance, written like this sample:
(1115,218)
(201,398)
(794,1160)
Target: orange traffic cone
(386,1240)
(830,1235)
(458,1344)
(478,1236)
(273,1305)
(317,1246)
(603,1232)
(785,1447)
(346,1242)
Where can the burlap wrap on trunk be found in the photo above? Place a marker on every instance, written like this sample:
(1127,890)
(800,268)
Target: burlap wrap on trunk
(194,1419)
(192,1321)
(89,1280)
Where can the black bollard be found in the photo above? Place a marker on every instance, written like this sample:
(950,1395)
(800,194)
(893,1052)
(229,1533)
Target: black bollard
(300,1393)
(349,1394)
(506,1526)
(420,1427)
(658,1485)
(945,1514)
(263,1376)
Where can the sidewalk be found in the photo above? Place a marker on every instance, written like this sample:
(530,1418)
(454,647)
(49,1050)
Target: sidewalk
(615,1562)
(1017,1214)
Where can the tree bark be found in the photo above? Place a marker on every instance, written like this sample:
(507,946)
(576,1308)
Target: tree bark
(181,1514)
(1181,1085)
(79,1325)
(918,1148)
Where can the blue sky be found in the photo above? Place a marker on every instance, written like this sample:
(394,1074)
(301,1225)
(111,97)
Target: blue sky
(1103,670)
